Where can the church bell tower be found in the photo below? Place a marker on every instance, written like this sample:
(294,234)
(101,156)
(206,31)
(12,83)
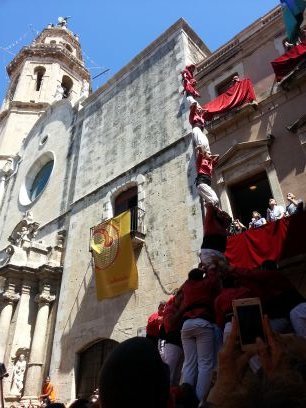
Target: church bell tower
(49,69)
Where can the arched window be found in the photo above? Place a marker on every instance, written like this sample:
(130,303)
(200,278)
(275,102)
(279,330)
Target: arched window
(90,363)
(126,200)
(67,84)
(53,42)
(39,72)
(41,180)
(68,47)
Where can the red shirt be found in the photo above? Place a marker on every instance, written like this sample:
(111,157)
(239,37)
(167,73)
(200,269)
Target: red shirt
(196,116)
(169,311)
(223,302)
(154,323)
(189,82)
(202,293)
(205,165)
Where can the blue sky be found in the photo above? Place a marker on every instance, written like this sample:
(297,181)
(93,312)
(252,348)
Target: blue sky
(113,32)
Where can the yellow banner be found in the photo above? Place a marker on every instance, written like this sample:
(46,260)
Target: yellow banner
(115,266)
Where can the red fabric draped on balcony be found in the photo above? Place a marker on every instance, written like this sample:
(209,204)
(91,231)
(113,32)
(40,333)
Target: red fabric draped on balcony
(284,64)
(240,93)
(276,241)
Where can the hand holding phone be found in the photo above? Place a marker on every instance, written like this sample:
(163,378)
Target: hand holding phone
(248,314)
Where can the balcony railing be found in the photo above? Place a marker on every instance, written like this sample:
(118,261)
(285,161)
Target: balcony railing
(137,225)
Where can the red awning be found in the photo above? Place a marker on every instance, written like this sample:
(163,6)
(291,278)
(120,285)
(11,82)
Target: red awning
(277,240)
(284,64)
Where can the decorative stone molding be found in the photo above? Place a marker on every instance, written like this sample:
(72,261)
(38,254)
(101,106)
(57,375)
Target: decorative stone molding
(24,231)
(44,298)
(10,297)
(5,255)
(246,160)
(138,181)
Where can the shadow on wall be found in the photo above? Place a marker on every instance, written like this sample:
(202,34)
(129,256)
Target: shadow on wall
(89,320)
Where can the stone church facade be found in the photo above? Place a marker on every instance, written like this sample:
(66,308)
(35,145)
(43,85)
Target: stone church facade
(69,161)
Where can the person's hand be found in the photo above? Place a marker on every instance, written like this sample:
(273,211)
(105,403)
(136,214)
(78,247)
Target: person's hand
(271,354)
(232,364)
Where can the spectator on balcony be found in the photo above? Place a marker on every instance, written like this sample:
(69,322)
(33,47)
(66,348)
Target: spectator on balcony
(275,212)
(205,164)
(257,220)
(236,227)
(295,205)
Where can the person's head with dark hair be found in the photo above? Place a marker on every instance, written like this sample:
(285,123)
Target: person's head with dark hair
(134,375)
(269,265)
(196,274)
(56,405)
(80,403)
(161,307)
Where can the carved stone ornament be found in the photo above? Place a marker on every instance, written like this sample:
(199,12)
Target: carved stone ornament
(10,297)
(43,298)
(24,231)
(5,255)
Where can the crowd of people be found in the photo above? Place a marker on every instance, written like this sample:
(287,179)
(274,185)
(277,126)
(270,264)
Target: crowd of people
(274,212)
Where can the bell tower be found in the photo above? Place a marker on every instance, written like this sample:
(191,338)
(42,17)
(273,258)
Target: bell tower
(48,70)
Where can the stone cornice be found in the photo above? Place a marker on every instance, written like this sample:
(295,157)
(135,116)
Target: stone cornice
(58,52)
(44,298)
(60,32)
(234,46)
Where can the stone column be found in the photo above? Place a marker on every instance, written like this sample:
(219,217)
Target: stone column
(38,346)
(2,185)
(9,297)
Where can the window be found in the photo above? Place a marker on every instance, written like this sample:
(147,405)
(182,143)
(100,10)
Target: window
(66,85)
(126,200)
(13,88)
(52,42)
(68,47)
(225,85)
(39,72)
(41,180)
(90,363)
(250,195)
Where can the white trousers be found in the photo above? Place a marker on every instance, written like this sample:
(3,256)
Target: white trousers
(298,319)
(174,357)
(200,139)
(191,100)
(207,194)
(198,345)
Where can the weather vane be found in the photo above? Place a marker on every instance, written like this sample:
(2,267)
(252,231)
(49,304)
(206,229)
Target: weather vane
(62,21)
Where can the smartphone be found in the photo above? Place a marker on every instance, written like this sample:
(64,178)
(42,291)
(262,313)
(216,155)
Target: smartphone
(248,314)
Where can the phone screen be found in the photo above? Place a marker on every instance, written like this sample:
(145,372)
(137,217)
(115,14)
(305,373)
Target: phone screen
(250,323)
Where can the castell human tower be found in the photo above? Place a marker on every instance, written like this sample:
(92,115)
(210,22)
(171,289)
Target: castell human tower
(49,69)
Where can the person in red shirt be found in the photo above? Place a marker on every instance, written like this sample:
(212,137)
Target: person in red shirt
(189,83)
(216,224)
(199,292)
(154,324)
(205,164)
(196,119)
(173,321)
(223,303)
